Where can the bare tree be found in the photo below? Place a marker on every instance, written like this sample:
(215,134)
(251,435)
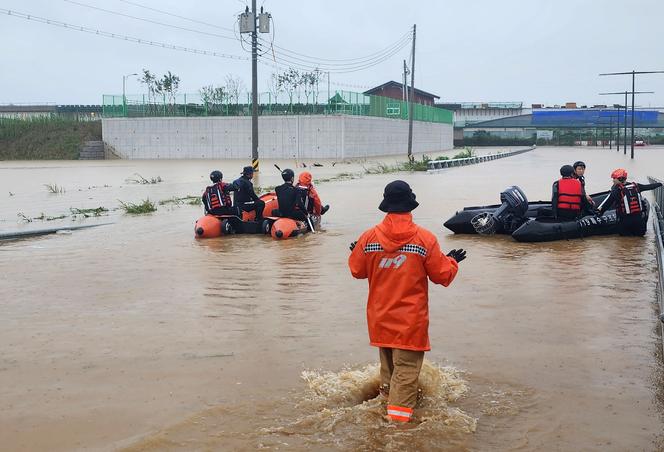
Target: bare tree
(234,86)
(309,81)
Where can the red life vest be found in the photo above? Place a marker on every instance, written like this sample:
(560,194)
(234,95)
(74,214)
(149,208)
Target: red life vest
(216,196)
(569,194)
(630,200)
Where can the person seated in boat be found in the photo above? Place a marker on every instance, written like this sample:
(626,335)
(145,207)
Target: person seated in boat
(568,199)
(308,199)
(246,198)
(626,198)
(287,197)
(579,171)
(217,197)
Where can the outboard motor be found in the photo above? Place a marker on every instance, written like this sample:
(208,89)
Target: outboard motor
(511,214)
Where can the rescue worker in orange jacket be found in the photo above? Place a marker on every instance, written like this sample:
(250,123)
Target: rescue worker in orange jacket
(309,200)
(568,199)
(217,197)
(397,256)
(626,197)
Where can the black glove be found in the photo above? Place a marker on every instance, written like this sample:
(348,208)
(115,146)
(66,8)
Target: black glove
(352,245)
(325,208)
(457,255)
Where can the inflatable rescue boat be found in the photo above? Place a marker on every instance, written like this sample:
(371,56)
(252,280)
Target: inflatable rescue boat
(279,228)
(533,222)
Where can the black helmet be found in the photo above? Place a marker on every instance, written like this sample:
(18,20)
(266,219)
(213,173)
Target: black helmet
(566,170)
(579,163)
(215,176)
(247,170)
(287,175)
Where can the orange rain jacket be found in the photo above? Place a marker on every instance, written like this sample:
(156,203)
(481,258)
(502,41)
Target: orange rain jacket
(304,180)
(397,256)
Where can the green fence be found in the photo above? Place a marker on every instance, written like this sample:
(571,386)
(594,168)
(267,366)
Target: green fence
(342,102)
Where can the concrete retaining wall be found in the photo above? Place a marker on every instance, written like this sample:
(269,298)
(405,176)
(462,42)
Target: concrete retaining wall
(280,137)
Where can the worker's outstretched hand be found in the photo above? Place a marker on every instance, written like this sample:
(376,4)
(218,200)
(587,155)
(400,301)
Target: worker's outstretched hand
(352,245)
(457,255)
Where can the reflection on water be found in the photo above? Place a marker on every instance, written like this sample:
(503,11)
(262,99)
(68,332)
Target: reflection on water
(137,335)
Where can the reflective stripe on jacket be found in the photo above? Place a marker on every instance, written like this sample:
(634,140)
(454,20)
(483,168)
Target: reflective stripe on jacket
(399,257)
(630,199)
(216,196)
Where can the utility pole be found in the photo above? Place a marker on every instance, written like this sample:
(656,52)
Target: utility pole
(404,88)
(412,96)
(633,74)
(248,24)
(328,90)
(625,125)
(625,134)
(254,91)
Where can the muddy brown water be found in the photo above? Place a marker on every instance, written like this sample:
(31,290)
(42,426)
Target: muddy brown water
(136,336)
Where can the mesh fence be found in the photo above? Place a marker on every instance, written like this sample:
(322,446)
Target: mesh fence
(296,103)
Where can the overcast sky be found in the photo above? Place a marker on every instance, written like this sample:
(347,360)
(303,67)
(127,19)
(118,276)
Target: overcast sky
(534,51)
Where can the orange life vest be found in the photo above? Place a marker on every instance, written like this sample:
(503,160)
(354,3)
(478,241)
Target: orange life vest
(569,194)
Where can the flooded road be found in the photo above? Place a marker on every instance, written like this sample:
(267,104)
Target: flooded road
(136,336)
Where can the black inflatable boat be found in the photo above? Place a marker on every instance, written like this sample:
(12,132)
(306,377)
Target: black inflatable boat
(533,222)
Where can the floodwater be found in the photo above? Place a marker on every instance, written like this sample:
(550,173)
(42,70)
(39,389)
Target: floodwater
(136,336)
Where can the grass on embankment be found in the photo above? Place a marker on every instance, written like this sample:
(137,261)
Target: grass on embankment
(45,138)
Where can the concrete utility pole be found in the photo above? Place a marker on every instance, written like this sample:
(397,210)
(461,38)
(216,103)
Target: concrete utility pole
(248,21)
(254,91)
(633,74)
(412,97)
(625,134)
(404,88)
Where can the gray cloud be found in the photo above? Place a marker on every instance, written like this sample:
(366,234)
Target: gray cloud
(483,50)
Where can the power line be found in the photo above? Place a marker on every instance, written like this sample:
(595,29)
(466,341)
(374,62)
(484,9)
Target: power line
(337,70)
(117,13)
(323,75)
(379,57)
(120,36)
(350,60)
(175,15)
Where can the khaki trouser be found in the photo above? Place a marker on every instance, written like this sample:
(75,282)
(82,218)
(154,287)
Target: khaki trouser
(400,369)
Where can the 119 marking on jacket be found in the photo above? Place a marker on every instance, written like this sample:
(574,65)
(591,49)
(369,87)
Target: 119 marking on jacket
(395,262)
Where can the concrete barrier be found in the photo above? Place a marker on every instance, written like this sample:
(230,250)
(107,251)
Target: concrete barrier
(437,165)
(279,137)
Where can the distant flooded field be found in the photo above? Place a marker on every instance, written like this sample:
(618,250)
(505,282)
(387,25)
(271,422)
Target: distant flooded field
(137,336)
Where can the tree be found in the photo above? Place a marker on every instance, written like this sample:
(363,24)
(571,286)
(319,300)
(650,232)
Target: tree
(170,83)
(289,81)
(148,79)
(309,80)
(234,86)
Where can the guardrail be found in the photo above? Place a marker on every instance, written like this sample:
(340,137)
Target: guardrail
(658,225)
(436,165)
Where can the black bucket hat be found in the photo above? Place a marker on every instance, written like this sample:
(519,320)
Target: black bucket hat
(398,197)
(247,170)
